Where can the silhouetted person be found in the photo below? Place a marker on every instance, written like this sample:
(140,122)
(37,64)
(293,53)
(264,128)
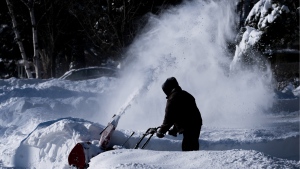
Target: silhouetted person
(183,114)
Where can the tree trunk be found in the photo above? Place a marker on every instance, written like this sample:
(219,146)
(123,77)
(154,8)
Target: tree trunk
(36,54)
(17,34)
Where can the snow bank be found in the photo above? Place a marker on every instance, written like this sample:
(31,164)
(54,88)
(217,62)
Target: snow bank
(50,143)
(25,104)
(144,159)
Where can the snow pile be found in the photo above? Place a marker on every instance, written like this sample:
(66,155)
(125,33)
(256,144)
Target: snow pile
(26,104)
(231,159)
(50,142)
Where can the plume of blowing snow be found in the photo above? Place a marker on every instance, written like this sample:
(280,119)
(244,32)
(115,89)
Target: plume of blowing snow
(189,42)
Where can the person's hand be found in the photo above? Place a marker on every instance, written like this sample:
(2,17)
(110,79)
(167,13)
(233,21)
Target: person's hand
(152,130)
(159,134)
(173,132)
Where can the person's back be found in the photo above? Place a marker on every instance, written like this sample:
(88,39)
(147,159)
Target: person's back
(187,113)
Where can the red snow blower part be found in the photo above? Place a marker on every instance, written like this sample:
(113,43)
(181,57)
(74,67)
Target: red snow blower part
(81,154)
(77,157)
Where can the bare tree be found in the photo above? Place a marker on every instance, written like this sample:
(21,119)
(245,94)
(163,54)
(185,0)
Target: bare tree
(51,25)
(18,38)
(111,25)
(36,50)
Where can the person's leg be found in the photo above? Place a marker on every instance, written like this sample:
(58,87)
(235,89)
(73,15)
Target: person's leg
(190,140)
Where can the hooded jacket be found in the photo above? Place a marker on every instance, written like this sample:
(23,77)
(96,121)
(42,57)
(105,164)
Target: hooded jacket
(181,111)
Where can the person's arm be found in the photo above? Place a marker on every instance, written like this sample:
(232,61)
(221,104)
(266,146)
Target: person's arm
(169,118)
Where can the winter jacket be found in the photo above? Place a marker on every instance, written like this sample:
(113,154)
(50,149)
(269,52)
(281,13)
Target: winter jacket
(181,111)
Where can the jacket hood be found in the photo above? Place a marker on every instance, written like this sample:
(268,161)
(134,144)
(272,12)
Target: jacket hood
(169,85)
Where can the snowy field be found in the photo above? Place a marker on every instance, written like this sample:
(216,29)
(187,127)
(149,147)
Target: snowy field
(246,124)
(42,120)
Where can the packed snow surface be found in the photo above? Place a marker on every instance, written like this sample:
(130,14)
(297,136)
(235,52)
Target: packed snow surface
(37,131)
(42,120)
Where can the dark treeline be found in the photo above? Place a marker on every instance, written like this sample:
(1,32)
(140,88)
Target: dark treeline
(73,34)
(57,35)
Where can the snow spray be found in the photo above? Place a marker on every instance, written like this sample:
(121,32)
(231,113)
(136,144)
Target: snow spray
(128,103)
(190,42)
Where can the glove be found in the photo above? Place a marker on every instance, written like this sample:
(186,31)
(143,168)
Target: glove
(159,134)
(173,132)
(152,130)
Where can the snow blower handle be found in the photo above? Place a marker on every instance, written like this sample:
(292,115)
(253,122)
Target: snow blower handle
(128,139)
(151,132)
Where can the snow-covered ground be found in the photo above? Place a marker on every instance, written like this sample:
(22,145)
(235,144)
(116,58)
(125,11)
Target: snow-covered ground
(42,120)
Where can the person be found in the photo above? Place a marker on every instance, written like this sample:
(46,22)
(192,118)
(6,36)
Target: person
(182,113)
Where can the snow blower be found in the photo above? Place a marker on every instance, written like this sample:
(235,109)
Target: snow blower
(81,154)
